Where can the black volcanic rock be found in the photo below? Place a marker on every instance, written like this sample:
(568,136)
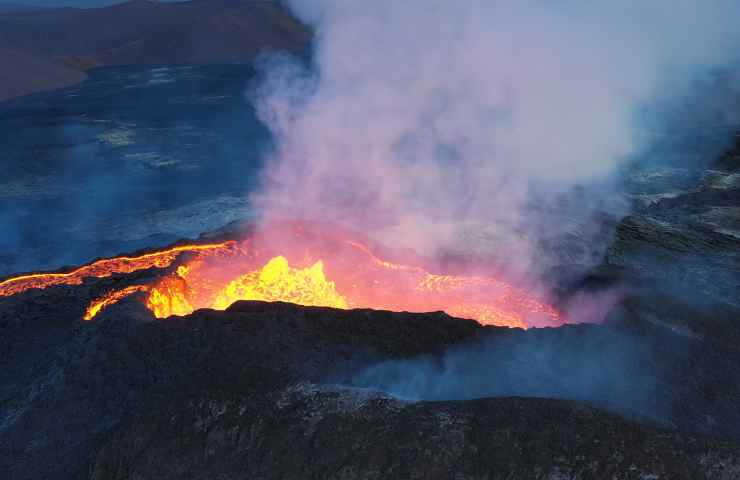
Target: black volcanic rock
(279,391)
(305,431)
(252,393)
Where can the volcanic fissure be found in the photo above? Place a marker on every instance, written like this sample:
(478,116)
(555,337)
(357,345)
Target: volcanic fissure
(302,265)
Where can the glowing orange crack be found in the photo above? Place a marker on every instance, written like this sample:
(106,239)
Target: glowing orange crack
(102,268)
(111,298)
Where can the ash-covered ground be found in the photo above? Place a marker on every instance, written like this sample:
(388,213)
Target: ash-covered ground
(280,391)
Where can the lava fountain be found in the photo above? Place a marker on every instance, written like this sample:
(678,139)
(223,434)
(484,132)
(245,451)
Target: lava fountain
(313,265)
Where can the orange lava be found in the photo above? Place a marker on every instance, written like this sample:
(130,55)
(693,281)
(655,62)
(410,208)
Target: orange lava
(111,298)
(278,281)
(104,268)
(318,266)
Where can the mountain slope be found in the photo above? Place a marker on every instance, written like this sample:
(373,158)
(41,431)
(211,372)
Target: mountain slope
(32,73)
(231,33)
(138,32)
(248,393)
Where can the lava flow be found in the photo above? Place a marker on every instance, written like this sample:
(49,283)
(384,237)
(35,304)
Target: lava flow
(307,266)
(103,268)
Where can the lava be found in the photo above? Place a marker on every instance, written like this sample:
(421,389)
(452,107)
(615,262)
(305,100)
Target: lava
(103,268)
(307,265)
(111,298)
(277,281)
(170,297)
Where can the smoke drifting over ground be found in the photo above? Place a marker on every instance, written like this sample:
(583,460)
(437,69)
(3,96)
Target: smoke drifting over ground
(606,367)
(443,126)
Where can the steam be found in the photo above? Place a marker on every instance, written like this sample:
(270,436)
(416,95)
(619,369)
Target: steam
(479,127)
(497,130)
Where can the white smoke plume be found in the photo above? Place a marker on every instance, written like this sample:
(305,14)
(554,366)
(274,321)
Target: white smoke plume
(446,125)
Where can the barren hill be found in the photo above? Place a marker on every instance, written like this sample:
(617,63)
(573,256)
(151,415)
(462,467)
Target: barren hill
(71,40)
(29,72)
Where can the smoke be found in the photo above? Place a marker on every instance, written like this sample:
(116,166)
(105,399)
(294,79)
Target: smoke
(496,130)
(607,367)
(481,127)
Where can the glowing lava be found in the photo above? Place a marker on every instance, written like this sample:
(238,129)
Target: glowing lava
(103,268)
(277,281)
(111,298)
(316,266)
(170,297)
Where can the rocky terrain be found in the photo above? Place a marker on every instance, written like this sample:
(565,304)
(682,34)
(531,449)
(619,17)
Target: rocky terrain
(265,391)
(281,391)
(683,240)
(53,47)
(117,162)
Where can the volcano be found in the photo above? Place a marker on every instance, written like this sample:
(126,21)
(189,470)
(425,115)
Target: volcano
(305,264)
(232,381)
(426,240)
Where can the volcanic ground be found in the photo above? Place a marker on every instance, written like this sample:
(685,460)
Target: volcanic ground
(277,390)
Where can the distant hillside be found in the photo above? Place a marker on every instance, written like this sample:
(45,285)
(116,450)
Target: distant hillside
(29,73)
(141,32)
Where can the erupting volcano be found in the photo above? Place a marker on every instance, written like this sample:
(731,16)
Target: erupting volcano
(305,265)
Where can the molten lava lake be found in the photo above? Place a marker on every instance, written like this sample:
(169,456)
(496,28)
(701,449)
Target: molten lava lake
(296,264)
